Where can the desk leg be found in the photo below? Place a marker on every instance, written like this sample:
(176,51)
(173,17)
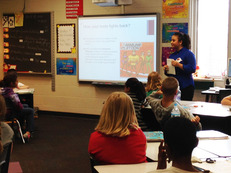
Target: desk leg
(207,98)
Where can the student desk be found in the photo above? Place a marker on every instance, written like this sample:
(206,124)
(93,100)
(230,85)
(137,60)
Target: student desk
(213,116)
(222,164)
(126,168)
(208,95)
(219,94)
(26,96)
(206,108)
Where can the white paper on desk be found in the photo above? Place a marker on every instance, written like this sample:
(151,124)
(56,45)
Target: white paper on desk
(171,67)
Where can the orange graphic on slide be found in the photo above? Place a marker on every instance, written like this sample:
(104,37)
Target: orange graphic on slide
(136,59)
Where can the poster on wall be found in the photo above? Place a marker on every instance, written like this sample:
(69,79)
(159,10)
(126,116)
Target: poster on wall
(170,28)
(175,8)
(66,66)
(66,38)
(166,52)
(74,8)
(19,19)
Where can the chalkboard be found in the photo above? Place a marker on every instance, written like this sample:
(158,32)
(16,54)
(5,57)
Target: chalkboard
(28,47)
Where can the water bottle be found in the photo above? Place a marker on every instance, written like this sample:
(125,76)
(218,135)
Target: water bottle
(175,111)
(178,95)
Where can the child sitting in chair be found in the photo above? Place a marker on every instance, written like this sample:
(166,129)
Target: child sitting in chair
(162,108)
(15,109)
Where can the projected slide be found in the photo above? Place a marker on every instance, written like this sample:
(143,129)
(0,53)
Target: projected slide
(114,48)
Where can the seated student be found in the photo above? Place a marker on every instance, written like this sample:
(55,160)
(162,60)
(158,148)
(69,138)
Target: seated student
(153,84)
(179,141)
(135,89)
(226,100)
(6,132)
(15,107)
(118,138)
(20,85)
(162,108)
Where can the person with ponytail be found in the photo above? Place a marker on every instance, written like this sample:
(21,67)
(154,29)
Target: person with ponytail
(6,133)
(136,90)
(184,62)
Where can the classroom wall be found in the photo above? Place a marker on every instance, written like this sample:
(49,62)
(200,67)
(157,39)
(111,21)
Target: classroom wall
(69,95)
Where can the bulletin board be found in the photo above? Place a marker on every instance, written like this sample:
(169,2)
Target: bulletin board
(28,46)
(66,42)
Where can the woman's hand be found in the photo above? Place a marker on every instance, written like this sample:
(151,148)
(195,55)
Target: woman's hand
(177,64)
(162,156)
(166,68)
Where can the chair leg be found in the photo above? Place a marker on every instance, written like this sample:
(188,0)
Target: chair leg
(20,131)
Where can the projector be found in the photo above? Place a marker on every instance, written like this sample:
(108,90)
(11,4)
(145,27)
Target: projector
(105,3)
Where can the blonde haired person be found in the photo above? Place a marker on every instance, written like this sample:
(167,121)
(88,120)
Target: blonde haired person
(226,100)
(6,133)
(153,84)
(118,138)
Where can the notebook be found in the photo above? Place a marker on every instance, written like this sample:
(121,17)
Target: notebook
(211,134)
(154,135)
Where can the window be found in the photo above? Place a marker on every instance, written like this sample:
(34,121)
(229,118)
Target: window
(212,37)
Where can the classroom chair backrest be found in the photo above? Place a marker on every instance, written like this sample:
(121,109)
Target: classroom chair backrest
(11,110)
(150,119)
(5,158)
(12,118)
(93,163)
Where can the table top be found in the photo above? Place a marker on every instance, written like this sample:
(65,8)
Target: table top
(206,108)
(221,148)
(214,90)
(198,152)
(221,165)
(210,92)
(125,168)
(207,147)
(24,91)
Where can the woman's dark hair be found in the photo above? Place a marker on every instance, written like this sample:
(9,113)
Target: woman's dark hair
(9,72)
(136,87)
(186,41)
(9,79)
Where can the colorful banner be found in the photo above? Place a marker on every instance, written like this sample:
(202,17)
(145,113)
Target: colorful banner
(66,66)
(74,8)
(166,52)
(170,28)
(175,8)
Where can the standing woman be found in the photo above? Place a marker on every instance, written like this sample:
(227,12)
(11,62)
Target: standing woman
(185,64)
